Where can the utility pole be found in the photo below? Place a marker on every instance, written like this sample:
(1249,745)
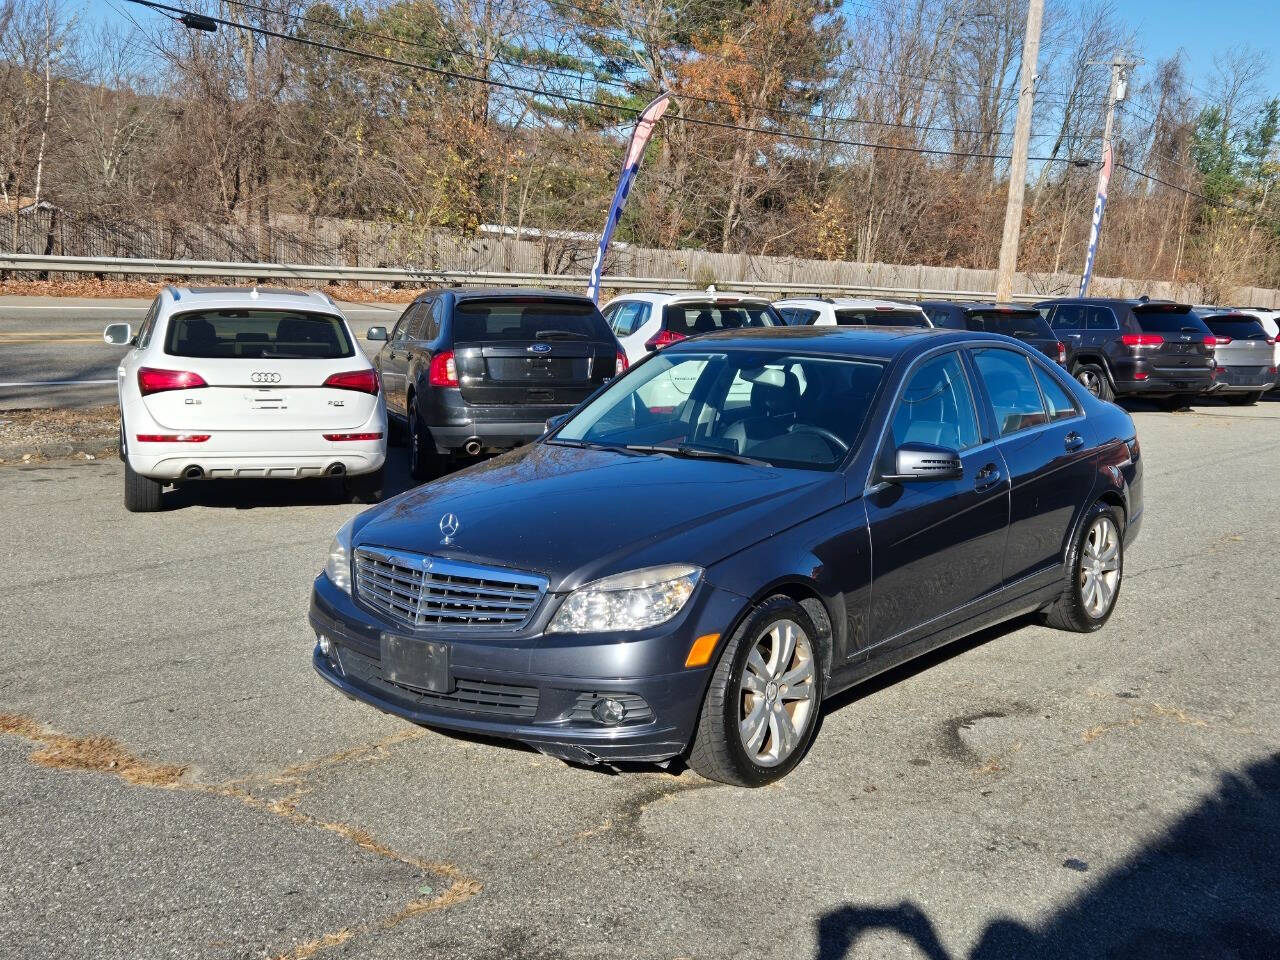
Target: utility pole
(1018,164)
(1120,68)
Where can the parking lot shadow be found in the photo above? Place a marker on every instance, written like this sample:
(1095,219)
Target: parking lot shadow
(1208,888)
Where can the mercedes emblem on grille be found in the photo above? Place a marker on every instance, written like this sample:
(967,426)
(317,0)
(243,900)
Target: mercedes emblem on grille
(264,376)
(449,526)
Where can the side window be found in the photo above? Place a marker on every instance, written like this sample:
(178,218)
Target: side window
(1101,318)
(943,317)
(1015,398)
(630,318)
(1056,398)
(399,330)
(1068,316)
(418,320)
(610,314)
(148,324)
(937,407)
(436,323)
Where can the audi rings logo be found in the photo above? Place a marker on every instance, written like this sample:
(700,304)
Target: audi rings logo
(263,376)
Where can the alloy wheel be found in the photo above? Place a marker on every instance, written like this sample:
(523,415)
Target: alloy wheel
(778,694)
(1090,381)
(1100,567)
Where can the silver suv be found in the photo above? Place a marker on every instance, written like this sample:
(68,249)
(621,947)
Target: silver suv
(1244,355)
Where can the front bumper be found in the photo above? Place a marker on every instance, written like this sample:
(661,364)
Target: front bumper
(532,688)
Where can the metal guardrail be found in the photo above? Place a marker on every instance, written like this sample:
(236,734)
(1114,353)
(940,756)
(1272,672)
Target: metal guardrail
(291,271)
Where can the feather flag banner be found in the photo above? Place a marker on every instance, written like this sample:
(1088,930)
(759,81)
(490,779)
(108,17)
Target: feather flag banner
(645,124)
(1099,205)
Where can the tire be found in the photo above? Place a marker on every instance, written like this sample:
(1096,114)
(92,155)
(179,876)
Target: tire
(719,752)
(1175,403)
(397,432)
(365,487)
(1077,610)
(141,494)
(1244,399)
(424,462)
(1094,379)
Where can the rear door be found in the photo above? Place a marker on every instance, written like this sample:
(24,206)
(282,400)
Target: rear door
(393,362)
(1186,348)
(262,369)
(530,350)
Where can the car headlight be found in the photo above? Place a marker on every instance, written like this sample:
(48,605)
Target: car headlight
(627,601)
(337,567)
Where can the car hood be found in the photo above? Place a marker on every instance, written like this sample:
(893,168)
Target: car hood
(575,515)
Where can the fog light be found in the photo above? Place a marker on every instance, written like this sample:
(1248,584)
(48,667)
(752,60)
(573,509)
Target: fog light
(609,711)
(326,645)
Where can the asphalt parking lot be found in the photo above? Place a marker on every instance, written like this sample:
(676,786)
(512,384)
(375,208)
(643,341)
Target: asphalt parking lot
(175,781)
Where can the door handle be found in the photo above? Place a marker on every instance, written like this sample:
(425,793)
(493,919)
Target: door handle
(1073,441)
(987,477)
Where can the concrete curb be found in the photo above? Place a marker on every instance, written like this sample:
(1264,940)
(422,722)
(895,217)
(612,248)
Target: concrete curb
(99,447)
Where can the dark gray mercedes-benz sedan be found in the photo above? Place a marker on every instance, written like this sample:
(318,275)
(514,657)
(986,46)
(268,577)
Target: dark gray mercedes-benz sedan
(738,528)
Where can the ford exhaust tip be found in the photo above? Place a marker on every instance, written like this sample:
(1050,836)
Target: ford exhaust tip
(472,447)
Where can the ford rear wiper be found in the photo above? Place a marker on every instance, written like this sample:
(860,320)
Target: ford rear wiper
(559,335)
(700,453)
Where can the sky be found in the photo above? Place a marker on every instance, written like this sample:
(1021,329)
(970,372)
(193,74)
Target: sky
(1203,28)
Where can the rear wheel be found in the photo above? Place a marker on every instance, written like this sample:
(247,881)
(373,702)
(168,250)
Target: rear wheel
(425,463)
(1094,379)
(1095,568)
(762,704)
(1244,399)
(141,494)
(1176,403)
(365,487)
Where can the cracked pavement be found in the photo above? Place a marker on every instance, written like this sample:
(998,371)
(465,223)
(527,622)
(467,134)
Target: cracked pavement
(1023,792)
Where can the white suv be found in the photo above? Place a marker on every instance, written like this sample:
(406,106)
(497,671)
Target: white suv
(644,322)
(850,312)
(230,382)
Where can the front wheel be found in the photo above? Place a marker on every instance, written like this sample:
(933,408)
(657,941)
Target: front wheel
(1095,568)
(762,704)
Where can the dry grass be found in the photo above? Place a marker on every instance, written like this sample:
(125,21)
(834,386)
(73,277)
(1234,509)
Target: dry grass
(88,287)
(305,951)
(27,430)
(97,754)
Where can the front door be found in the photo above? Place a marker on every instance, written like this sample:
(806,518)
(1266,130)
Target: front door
(936,545)
(393,363)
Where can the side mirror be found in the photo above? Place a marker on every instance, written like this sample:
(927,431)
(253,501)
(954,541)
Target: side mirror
(554,422)
(376,334)
(925,461)
(117,333)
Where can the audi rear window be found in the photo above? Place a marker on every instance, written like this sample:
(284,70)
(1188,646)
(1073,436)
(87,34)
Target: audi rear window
(526,318)
(1013,323)
(257,335)
(880,318)
(1237,328)
(691,319)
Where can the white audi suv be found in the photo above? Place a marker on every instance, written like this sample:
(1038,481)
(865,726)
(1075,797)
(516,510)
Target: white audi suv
(232,382)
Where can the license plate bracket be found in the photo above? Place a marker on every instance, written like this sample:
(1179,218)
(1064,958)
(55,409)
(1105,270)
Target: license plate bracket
(415,663)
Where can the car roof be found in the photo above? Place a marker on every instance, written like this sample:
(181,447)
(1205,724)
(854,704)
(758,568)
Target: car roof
(968,305)
(504,293)
(853,303)
(660,298)
(1114,301)
(230,297)
(878,343)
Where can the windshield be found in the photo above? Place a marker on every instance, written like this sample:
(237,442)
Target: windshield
(691,319)
(1013,324)
(524,318)
(1237,328)
(257,334)
(883,317)
(785,410)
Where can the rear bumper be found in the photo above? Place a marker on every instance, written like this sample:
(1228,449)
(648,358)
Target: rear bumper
(1147,378)
(453,422)
(1244,379)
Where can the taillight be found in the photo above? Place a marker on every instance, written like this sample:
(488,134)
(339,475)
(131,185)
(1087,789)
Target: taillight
(1271,340)
(1218,341)
(443,371)
(1142,339)
(152,380)
(173,437)
(1219,370)
(1141,376)
(1210,340)
(662,338)
(362,381)
(1062,353)
(352,436)
(620,366)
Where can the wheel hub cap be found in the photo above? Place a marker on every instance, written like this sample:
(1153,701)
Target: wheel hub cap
(1100,567)
(778,694)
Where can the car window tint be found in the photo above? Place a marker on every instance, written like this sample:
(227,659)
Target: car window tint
(1015,399)
(1170,320)
(942,317)
(1101,318)
(1023,324)
(398,331)
(418,320)
(149,324)
(798,316)
(1068,316)
(524,318)
(883,317)
(1056,398)
(437,319)
(937,406)
(630,318)
(257,334)
(690,319)
(1236,328)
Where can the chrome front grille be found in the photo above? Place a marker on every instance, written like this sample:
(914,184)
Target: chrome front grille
(429,593)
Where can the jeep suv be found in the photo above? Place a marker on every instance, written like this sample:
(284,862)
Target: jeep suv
(1021,323)
(1148,348)
(467,372)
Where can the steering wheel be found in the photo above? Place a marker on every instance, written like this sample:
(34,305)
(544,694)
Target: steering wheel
(834,439)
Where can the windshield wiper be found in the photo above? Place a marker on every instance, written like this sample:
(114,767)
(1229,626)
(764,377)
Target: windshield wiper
(590,445)
(700,453)
(559,335)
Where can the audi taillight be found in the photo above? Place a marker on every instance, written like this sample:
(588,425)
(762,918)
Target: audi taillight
(173,437)
(362,381)
(620,366)
(1142,339)
(153,380)
(1062,353)
(443,371)
(352,436)
(663,338)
